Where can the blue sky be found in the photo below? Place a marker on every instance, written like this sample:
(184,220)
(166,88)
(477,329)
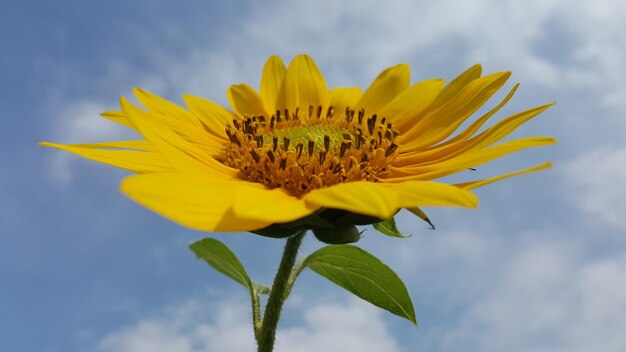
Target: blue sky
(539,266)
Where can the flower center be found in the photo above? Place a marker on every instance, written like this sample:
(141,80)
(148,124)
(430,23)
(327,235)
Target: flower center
(302,151)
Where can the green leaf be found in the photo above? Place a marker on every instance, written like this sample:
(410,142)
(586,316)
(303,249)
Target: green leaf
(365,276)
(222,259)
(388,227)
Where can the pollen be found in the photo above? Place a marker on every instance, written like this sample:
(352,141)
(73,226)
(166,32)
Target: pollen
(303,150)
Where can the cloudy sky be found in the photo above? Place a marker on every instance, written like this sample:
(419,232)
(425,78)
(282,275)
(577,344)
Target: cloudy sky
(539,266)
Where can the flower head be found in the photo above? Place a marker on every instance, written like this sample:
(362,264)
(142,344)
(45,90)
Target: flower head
(296,149)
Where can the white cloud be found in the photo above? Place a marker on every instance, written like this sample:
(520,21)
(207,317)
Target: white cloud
(523,306)
(183,328)
(594,182)
(533,291)
(600,51)
(326,328)
(549,300)
(358,39)
(445,267)
(147,336)
(364,37)
(356,326)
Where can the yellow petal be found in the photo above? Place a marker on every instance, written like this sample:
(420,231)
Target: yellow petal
(360,197)
(480,183)
(510,124)
(405,109)
(197,202)
(304,85)
(274,206)
(245,100)
(183,122)
(272,78)
(136,145)
(119,117)
(486,138)
(206,143)
(476,125)
(450,90)
(465,160)
(342,98)
(385,88)
(180,153)
(498,131)
(210,143)
(384,200)
(213,116)
(155,103)
(428,193)
(442,122)
(133,160)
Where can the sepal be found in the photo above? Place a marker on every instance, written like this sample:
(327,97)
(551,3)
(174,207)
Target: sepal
(338,235)
(326,224)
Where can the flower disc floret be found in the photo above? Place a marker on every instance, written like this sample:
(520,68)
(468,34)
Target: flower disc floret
(300,152)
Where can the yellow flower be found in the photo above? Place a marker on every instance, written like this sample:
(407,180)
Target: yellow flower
(296,147)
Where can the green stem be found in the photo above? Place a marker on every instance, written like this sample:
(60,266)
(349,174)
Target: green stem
(278,295)
(294,275)
(256,314)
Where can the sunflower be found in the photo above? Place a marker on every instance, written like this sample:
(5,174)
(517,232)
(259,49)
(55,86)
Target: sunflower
(296,150)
